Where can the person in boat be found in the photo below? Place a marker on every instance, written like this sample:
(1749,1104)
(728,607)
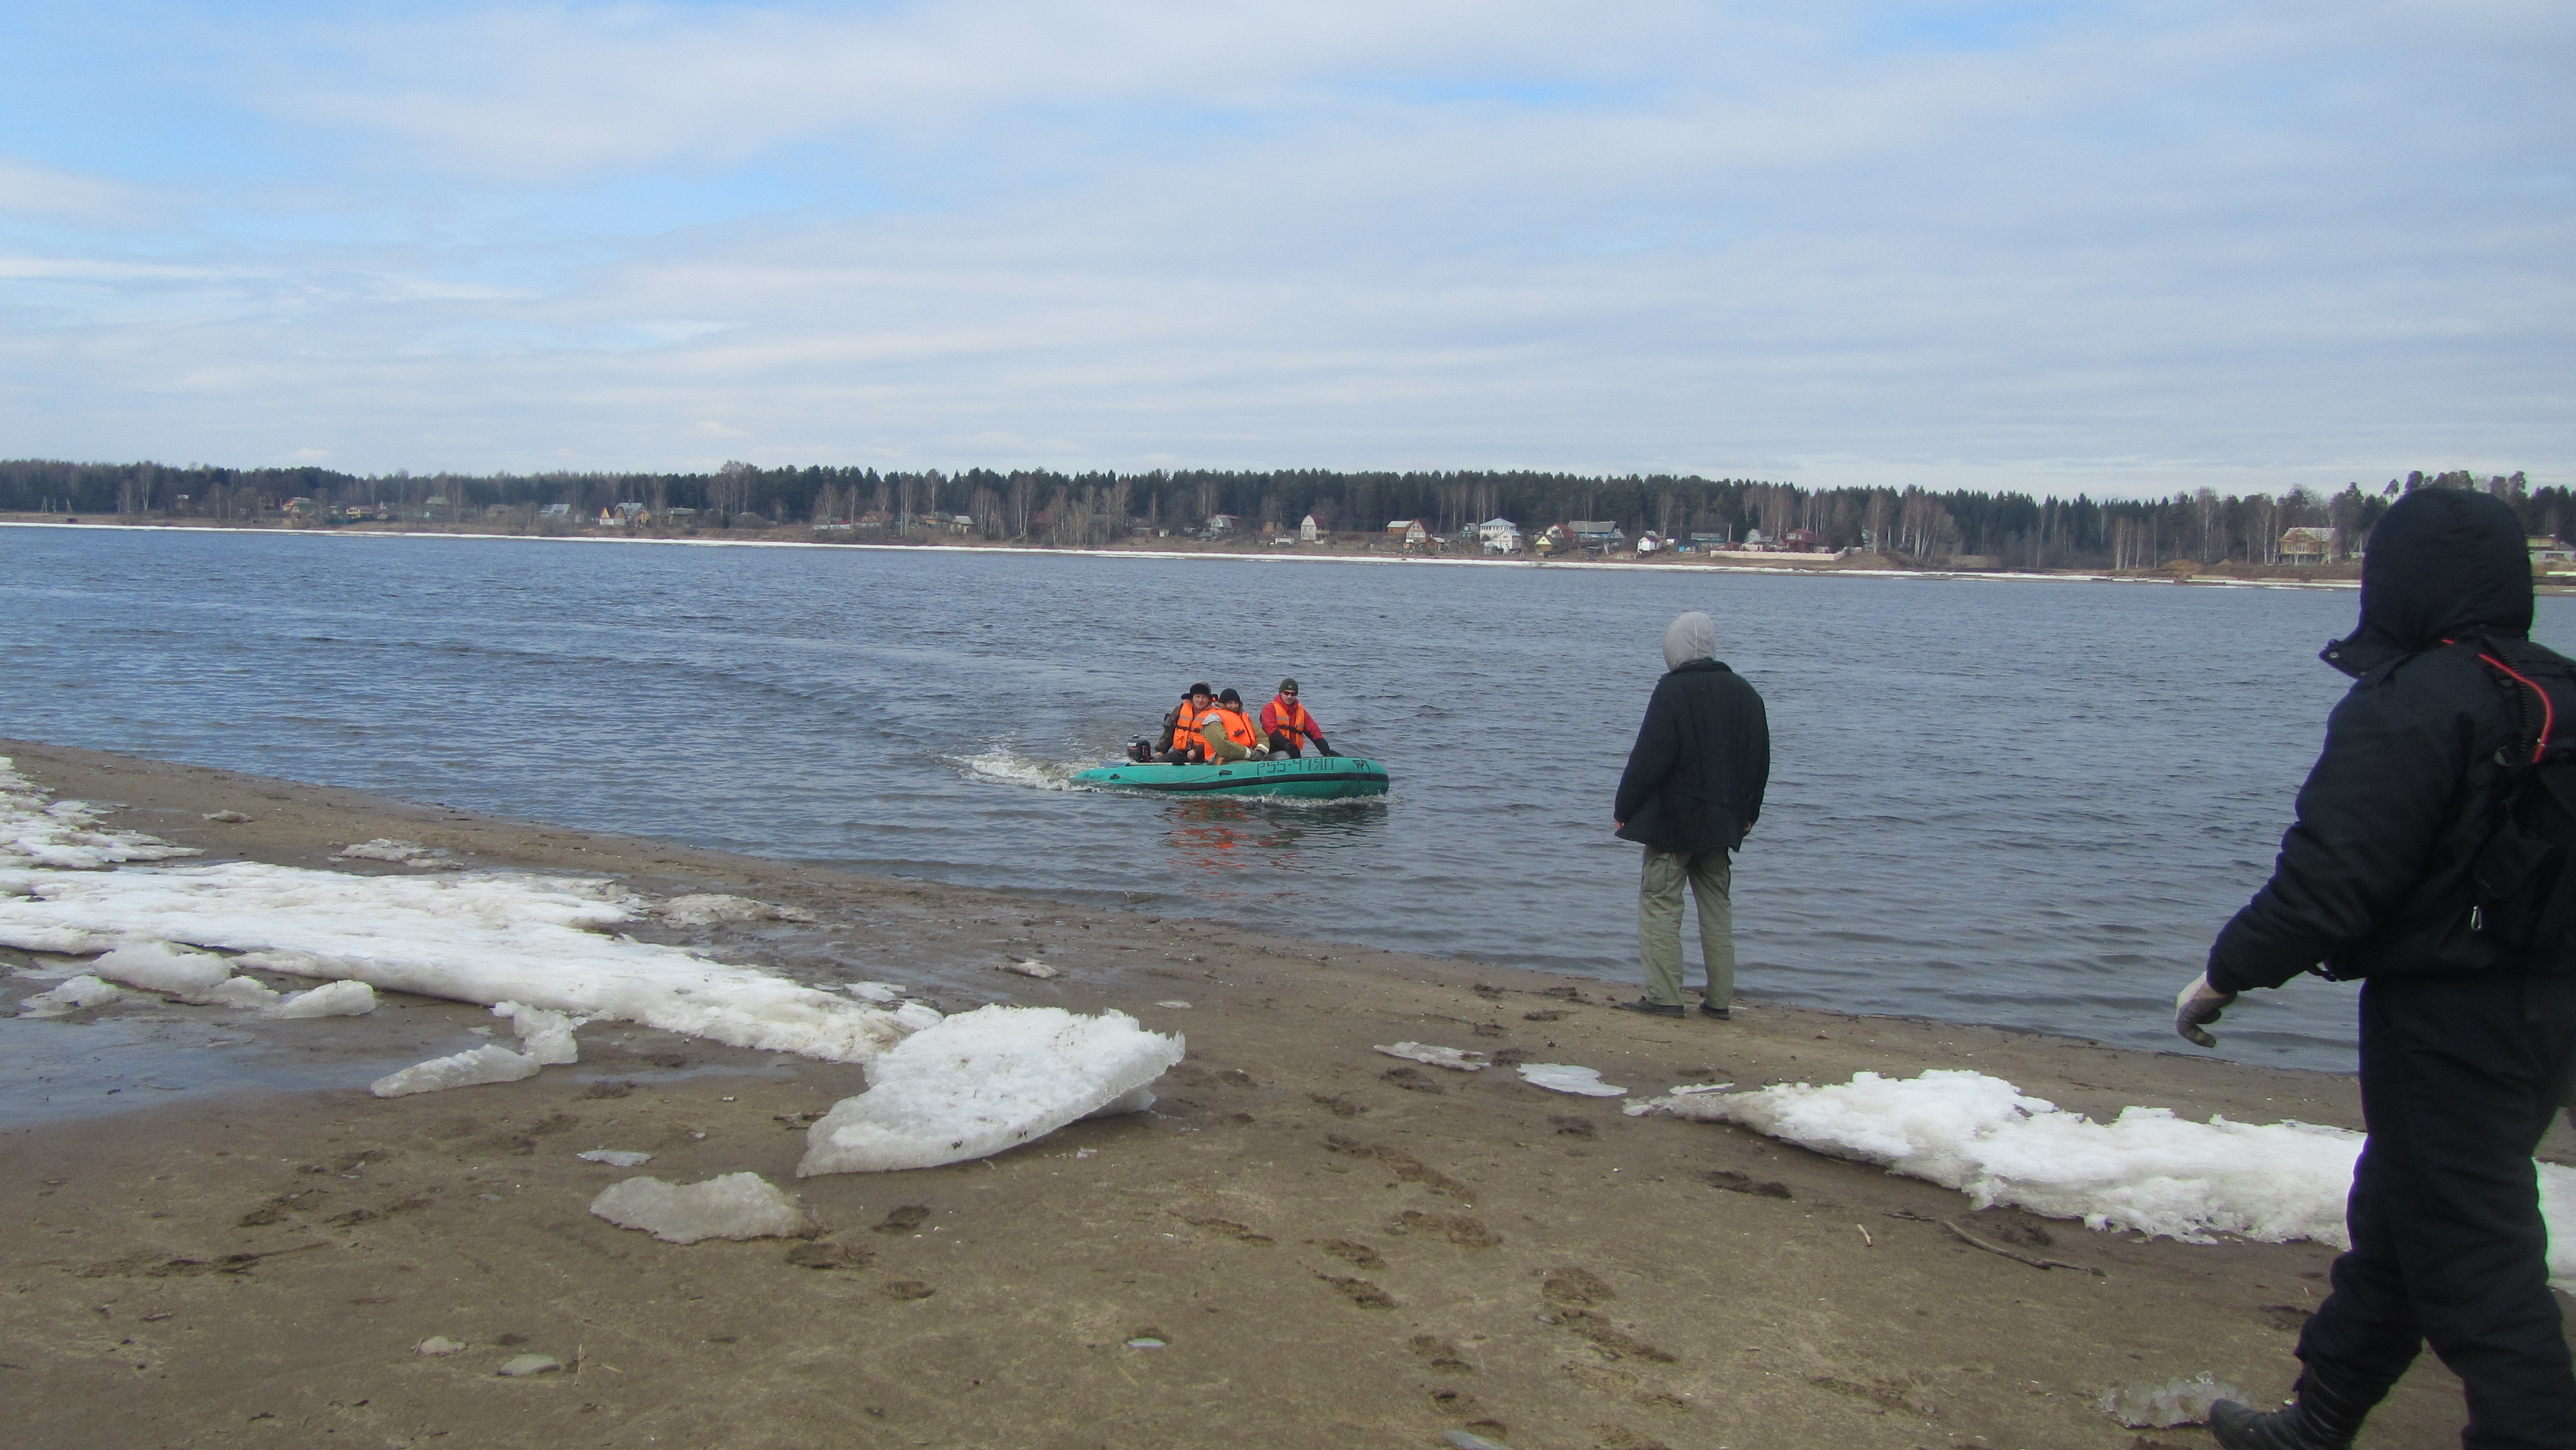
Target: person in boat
(1287,726)
(1229,732)
(1182,744)
(1179,735)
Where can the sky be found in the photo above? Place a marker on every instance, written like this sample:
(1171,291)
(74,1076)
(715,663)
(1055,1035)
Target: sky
(2111,248)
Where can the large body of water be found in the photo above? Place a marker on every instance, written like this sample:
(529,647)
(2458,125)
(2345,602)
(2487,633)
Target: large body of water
(2021,803)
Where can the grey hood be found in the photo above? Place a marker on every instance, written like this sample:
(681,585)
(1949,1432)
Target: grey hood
(1691,637)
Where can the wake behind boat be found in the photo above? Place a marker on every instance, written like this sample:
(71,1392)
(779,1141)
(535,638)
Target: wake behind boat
(1318,778)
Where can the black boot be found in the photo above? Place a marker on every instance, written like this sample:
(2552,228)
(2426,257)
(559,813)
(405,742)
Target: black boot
(2322,1418)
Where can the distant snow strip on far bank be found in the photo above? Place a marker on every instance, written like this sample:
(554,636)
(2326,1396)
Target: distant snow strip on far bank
(1184,555)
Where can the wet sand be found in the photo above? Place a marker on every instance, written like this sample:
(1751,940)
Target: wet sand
(1336,1249)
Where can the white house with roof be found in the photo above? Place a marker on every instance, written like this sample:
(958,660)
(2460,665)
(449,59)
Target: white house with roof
(1499,536)
(1308,531)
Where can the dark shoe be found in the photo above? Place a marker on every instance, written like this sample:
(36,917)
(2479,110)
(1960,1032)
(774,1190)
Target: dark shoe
(2320,1419)
(1722,1014)
(1653,1008)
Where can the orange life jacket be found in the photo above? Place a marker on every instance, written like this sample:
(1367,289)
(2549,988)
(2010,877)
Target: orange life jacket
(1185,726)
(1289,717)
(1237,726)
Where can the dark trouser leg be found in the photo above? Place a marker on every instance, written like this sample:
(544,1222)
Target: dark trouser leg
(2459,1076)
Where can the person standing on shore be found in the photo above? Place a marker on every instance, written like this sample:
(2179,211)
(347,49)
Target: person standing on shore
(2467,1033)
(1692,788)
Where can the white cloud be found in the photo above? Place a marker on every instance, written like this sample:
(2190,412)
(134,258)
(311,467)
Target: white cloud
(2134,248)
(28,190)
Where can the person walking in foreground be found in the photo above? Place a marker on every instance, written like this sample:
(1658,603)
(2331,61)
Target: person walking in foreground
(2432,777)
(1692,788)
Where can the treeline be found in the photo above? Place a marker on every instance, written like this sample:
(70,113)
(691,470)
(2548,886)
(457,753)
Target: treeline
(2010,529)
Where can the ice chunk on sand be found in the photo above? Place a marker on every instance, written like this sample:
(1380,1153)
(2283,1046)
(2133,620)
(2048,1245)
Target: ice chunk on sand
(1463,1061)
(615,1157)
(483,937)
(2164,1406)
(401,853)
(984,1081)
(71,996)
(199,977)
(709,908)
(1559,1078)
(63,836)
(520,1366)
(472,1068)
(881,993)
(544,1036)
(331,999)
(157,966)
(735,1206)
(1671,1102)
(439,1344)
(1031,967)
(914,1016)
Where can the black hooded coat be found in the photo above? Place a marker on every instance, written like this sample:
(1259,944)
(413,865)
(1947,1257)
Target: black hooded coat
(2370,880)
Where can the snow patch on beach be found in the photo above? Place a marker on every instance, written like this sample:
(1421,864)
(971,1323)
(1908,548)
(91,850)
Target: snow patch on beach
(984,1081)
(64,835)
(401,853)
(2147,1170)
(486,936)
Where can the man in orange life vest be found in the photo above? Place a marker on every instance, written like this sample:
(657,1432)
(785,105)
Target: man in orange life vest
(1287,726)
(1230,733)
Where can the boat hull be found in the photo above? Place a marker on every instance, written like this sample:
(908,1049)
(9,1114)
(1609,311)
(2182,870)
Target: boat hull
(1315,778)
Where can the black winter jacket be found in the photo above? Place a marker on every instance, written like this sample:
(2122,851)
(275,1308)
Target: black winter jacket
(2371,879)
(1696,774)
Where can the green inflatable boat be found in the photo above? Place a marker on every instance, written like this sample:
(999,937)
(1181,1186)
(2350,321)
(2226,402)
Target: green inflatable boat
(1315,778)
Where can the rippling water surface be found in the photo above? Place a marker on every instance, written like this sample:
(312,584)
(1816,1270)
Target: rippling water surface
(2023,803)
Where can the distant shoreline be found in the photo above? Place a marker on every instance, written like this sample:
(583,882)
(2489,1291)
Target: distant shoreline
(1755,564)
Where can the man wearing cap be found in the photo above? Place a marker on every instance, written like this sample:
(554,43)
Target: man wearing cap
(1288,726)
(1693,787)
(1228,733)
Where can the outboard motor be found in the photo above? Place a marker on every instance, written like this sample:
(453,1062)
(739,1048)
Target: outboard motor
(1140,750)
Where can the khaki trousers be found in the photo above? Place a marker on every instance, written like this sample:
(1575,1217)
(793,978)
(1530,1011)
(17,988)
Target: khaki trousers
(1659,922)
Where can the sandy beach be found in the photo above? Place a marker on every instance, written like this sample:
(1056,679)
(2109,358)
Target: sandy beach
(1305,1243)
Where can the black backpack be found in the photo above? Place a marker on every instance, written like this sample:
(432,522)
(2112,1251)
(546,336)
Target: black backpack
(2522,877)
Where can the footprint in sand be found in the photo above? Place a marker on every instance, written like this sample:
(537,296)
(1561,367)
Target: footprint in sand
(905,1219)
(1360,1292)
(1440,1354)
(1457,1228)
(905,1289)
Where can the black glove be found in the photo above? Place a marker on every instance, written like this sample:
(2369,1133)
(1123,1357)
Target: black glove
(2197,1007)
(1325,747)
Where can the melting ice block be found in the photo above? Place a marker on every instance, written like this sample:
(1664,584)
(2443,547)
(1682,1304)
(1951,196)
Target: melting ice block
(984,1081)
(2161,1407)
(472,1068)
(331,999)
(71,996)
(1560,1078)
(1459,1058)
(735,1206)
(199,977)
(483,937)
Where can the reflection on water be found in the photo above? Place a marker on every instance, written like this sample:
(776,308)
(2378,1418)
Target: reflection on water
(2022,803)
